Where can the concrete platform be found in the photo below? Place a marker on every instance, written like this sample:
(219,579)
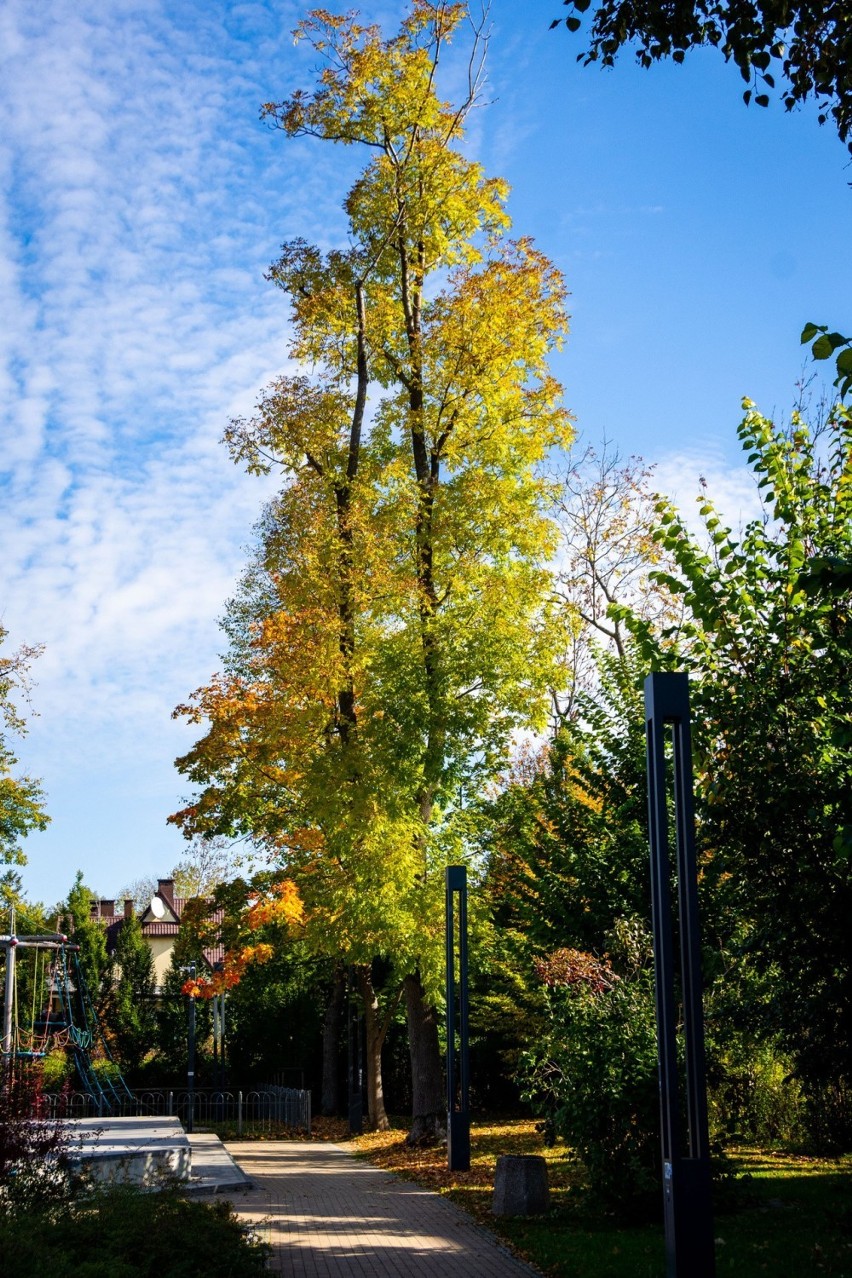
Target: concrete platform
(213,1169)
(142,1151)
(139,1151)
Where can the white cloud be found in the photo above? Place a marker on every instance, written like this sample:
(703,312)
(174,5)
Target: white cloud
(693,474)
(143,205)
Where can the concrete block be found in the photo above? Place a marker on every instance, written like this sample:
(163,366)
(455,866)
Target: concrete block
(140,1151)
(520,1185)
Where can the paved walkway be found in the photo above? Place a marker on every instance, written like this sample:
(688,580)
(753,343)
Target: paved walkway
(330,1215)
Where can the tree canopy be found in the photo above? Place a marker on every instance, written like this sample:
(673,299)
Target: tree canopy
(807,43)
(394,627)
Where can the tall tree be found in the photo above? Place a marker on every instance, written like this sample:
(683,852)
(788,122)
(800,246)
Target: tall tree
(87,932)
(131,1013)
(392,631)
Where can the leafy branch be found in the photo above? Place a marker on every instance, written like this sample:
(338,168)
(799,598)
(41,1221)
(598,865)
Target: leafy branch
(823,346)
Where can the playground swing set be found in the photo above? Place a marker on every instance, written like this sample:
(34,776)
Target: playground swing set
(61,1015)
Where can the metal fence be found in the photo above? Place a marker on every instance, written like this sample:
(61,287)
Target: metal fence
(265,1109)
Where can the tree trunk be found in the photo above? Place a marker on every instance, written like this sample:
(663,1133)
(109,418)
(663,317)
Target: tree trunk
(429,1108)
(376,1029)
(330,1103)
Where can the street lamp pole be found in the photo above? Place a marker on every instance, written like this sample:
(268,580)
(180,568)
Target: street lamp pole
(687,1197)
(190,1052)
(458,1059)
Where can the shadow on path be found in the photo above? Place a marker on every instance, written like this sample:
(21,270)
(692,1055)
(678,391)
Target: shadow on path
(327,1214)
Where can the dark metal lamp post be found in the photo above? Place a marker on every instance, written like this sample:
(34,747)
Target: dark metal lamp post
(190,1052)
(458,1064)
(353,1053)
(686,1162)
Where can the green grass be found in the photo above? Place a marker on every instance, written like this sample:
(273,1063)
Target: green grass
(794,1221)
(793,1218)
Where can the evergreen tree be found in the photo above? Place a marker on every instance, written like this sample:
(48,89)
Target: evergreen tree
(132,1016)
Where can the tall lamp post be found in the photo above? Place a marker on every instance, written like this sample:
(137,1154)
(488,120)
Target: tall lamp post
(353,1054)
(685,1145)
(458,1066)
(190,1050)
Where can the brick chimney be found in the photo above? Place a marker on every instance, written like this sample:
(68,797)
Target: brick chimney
(107,908)
(166,889)
(128,907)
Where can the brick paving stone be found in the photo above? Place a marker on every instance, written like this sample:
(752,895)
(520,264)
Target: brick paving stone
(327,1214)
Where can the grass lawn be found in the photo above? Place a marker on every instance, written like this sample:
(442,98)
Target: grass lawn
(795,1219)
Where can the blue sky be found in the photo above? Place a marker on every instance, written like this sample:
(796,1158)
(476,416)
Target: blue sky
(141,202)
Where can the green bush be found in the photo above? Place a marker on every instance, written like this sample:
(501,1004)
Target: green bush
(754,1098)
(57,1070)
(105,1070)
(34,1170)
(122,1232)
(828,1106)
(593,1074)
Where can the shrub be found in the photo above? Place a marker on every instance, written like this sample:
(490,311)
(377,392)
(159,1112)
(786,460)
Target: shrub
(593,1074)
(123,1232)
(754,1097)
(34,1169)
(57,1070)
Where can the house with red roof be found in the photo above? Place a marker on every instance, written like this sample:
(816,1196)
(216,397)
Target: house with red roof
(160,922)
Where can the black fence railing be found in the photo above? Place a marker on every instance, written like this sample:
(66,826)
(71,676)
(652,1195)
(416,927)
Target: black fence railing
(263,1109)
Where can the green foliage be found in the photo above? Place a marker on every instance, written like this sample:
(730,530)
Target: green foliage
(21,797)
(172,1009)
(121,1232)
(753,1096)
(131,1017)
(568,866)
(594,1071)
(823,345)
(807,42)
(568,847)
(766,636)
(275,1014)
(275,1008)
(88,933)
(57,1070)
